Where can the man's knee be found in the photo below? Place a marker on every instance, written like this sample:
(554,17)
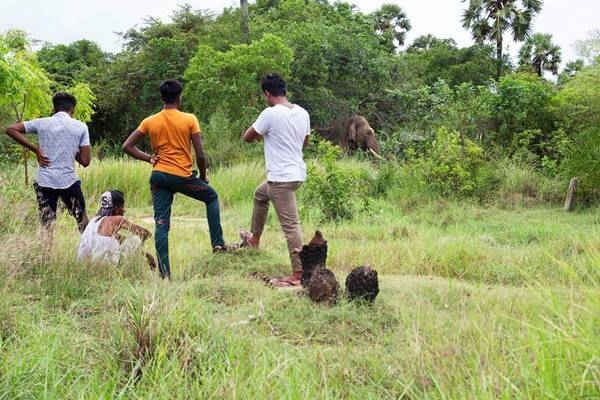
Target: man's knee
(162,224)
(47,217)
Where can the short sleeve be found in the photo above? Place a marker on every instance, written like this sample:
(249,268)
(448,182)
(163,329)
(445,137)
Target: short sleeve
(143,128)
(307,124)
(263,122)
(195,125)
(32,126)
(85,137)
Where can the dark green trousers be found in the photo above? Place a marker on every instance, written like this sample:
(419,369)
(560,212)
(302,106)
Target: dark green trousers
(164,186)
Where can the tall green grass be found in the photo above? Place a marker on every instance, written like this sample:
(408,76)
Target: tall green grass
(476,302)
(233,184)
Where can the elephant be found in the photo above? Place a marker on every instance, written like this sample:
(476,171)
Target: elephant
(351,134)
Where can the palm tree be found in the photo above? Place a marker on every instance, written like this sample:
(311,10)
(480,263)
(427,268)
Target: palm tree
(540,53)
(489,19)
(244,21)
(391,24)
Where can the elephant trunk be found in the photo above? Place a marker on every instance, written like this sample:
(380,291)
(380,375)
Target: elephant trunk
(372,144)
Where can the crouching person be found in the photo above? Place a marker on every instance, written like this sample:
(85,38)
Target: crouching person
(102,242)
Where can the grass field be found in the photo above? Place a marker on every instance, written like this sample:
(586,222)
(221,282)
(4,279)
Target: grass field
(476,302)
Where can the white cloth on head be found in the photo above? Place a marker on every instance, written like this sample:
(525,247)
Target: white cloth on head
(100,249)
(284,130)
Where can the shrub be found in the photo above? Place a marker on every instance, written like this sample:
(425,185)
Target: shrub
(582,159)
(336,190)
(449,164)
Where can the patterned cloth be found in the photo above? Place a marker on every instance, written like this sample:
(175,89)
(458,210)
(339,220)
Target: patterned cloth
(60,138)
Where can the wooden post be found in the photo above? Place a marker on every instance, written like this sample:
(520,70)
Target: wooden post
(570,200)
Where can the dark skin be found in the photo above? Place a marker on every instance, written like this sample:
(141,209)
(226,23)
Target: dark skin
(111,225)
(17,132)
(130,145)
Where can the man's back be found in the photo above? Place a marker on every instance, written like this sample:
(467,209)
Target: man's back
(60,138)
(170,132)
(284,130)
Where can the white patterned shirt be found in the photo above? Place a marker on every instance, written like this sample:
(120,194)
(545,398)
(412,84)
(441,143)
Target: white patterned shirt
(60,138)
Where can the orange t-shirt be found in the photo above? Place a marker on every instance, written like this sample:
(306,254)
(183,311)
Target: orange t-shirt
(170,134)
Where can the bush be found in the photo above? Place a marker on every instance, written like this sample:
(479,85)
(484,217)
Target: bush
(336,190)
(449,164)
(520,184)
(582,160)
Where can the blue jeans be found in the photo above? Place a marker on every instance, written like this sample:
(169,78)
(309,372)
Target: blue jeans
(164,186)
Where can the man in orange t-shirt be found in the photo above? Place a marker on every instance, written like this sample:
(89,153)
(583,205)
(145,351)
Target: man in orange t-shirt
(171,132)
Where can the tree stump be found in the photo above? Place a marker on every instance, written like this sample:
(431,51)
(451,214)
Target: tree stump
(570,199)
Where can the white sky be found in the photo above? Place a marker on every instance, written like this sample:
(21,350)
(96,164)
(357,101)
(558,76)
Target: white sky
(64,21)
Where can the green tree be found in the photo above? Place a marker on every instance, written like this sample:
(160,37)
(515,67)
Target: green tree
(540,54)
(127,87)
(433,59)
(391,25)
(24,85)
(85,101)
(522,114)
(75,62)
(577,104)
(488,20)
(571,69)
(229,81)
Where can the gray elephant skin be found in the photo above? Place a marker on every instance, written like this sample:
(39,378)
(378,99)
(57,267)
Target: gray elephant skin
(351,134)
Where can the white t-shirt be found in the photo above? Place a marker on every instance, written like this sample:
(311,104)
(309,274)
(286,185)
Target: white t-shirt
(284,130)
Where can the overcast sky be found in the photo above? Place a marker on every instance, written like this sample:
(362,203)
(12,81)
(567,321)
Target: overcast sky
(64,21)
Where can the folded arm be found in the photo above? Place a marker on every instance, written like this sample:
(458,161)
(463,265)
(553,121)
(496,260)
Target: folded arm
(130,147)
(17,132)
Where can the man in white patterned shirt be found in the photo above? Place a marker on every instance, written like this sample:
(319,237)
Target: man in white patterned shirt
(62,141)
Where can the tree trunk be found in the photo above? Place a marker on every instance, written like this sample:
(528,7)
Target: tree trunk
(499,56)
(244,21)
(570,200)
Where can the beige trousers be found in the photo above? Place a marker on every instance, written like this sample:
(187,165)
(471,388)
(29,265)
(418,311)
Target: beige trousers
(283,196)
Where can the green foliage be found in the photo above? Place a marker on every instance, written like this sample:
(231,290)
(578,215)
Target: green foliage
(127,87)
(229,81)
(577,104)
(391,24)
(338,57)
(433,59)
(522,102)
(449,164)
(338,191)
(540,54)
(79,61)
(489,19)
(582,160)
(24,86)
(85,101)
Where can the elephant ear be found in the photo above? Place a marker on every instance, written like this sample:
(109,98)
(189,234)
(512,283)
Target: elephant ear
(352,132)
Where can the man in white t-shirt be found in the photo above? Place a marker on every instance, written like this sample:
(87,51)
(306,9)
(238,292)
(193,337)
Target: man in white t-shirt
(284,127)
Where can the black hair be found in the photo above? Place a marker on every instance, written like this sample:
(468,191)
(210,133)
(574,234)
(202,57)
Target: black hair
(63,102)
(118,198)
(170,90)
(274,84)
